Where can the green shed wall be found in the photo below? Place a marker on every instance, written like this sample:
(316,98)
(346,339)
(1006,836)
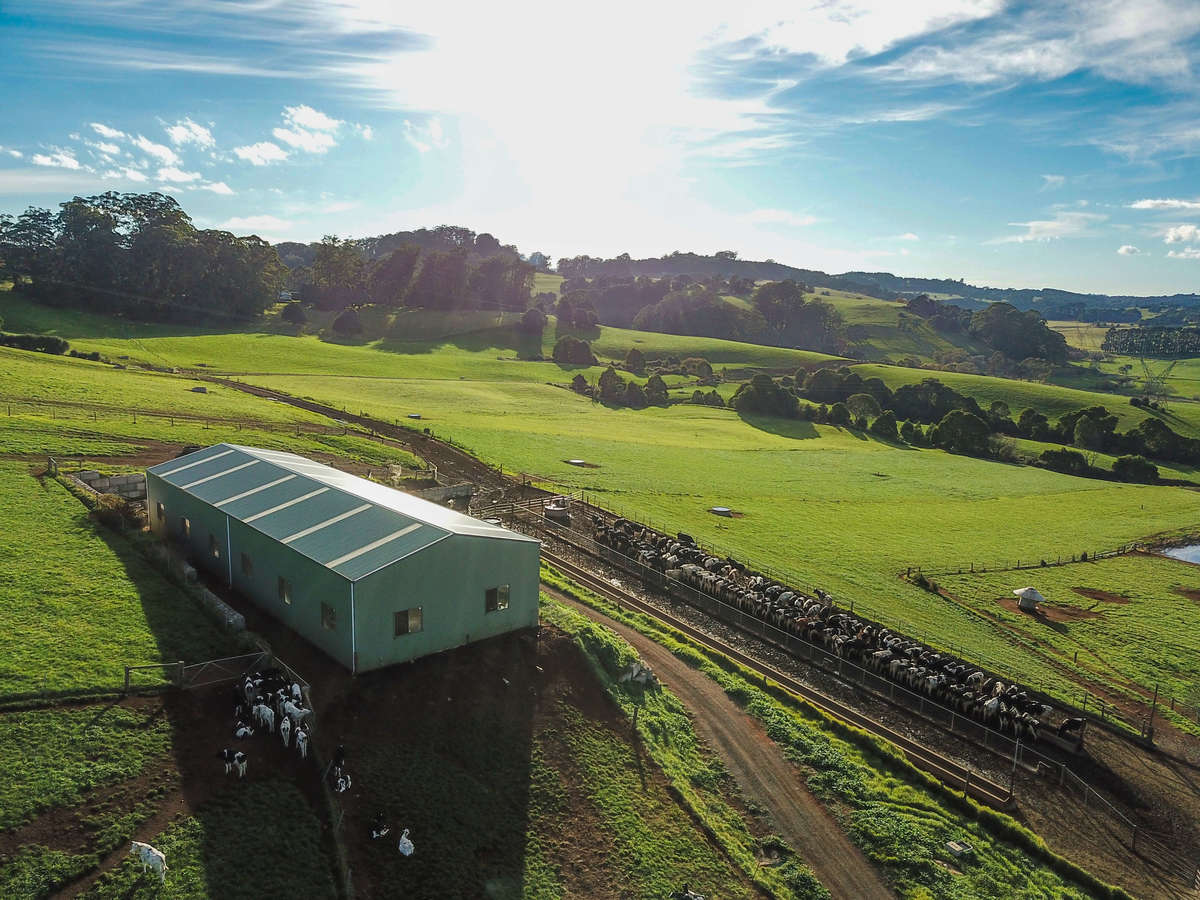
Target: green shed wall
(448,580)
(312,583)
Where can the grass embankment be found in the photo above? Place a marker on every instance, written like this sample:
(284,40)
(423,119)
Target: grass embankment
(665,731)
(900,817)
(884,330)
(79,603)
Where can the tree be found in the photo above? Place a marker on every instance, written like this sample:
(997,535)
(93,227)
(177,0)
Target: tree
(533,321)
(612,386)
(571,351)
(656,390)
(579,384)
(864,406)
(762,395)
(634,361)
(1034,425)
(635,397)
(885,426)
(338,273)
(348,323)
(1136,469)
(294,313)
(961,432)
(1087,434)
(839,414)
(1069,462)
(441,281)
(697,366)
(390,277)
(1018,335)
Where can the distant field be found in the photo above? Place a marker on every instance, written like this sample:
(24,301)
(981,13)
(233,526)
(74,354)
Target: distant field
(546,281)
(1084,335)
(1137,630)
(874,327)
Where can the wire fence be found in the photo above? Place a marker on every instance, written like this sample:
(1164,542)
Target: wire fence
(1156,848)
(1040,562)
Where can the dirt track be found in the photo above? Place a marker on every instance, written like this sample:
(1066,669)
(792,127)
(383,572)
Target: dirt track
(765,775)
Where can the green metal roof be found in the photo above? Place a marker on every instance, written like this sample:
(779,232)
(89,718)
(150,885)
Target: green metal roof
(346,523)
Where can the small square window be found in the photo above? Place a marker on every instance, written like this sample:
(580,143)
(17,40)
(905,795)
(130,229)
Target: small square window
(285,590)
(247,565)
(408,621)
(161,511)
(328,617)
(496,599)
(187,527)
(214,546)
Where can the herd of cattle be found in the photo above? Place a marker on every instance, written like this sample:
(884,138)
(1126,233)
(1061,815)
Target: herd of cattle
(261,700)
(944,679)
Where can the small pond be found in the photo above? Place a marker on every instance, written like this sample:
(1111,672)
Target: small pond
(1189,553)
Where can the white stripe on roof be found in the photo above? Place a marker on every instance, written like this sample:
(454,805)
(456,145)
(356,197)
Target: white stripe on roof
(245,465)
(275,509)
(354,554)
(255,490)
(198,462)
(314,528)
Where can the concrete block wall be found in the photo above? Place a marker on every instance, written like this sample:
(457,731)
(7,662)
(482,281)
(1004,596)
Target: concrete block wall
(131,487)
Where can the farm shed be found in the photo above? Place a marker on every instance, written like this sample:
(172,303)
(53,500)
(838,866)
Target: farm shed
(370,575)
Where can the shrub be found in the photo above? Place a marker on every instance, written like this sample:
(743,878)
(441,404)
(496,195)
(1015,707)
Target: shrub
(635,397)
(348,323)
(635,361)
(1069,462)
(885,426)
(1135,468)
(41,343)
(114,512)
(294,313)
(94,356)
(656,390)
(839,414)
(579,384)
(698,366)
(572,351)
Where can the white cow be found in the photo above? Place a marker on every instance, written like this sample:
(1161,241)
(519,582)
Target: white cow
(302,742)
(285,729)
(265,716)
(239,760)
(150,858)
(405,845)
(296,713)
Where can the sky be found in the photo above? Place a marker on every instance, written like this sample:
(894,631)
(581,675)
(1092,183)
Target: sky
(1044,144)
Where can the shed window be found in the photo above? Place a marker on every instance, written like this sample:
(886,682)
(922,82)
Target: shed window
(187,526)
(496,599)
(285,590)
(247,565)
(214,546)
(328,617)
(408,621)
(161,511)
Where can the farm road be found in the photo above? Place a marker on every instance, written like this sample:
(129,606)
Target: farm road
(765,775)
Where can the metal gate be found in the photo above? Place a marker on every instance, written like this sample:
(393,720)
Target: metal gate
(214,671)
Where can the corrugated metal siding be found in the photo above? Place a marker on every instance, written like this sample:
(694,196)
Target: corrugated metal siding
(350,525)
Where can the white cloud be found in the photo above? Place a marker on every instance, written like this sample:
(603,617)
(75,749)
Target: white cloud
(265,226)
(1166,203)
(185,131)
(306,117)
(218,187)
(1128,250)
(308,141)
(1053,182)
(1185,253)
(57,158)
(177,176)
(103,147)
(1064,224)
(161,152)
(907,236)
(366,132)
(1182,234)
(779,217)
(126,174)
(15,154)
(261,154)
(104,131)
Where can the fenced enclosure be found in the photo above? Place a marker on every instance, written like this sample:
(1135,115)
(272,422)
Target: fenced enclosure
(1154,848)
(215,671)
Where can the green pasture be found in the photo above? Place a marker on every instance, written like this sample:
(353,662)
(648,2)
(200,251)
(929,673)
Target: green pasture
(546,281)
(884,330)
(78,602)
(823,506)
(1146,635)
(900,818)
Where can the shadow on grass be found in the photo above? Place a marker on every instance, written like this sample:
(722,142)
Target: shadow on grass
(793,429)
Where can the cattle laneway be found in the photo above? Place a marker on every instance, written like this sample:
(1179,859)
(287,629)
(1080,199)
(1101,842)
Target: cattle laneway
(765,775)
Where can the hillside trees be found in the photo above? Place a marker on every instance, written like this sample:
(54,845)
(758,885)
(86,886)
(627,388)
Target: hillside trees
(701,312)
(390,276)
(441,281)
(961,432)
(1018,335)
(569,350)
(138,254)
(762,394)
(792,322)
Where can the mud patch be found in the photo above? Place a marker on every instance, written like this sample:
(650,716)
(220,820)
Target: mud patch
(1191,593)
(1049,613)
(1104,596)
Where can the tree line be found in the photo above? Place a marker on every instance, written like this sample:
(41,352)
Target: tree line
(1017,335)
(1167,342)
(137,255)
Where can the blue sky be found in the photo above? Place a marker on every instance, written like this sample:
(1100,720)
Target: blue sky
(1010,144)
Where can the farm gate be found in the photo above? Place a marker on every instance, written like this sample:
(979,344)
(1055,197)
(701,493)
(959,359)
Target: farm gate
(214,671)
